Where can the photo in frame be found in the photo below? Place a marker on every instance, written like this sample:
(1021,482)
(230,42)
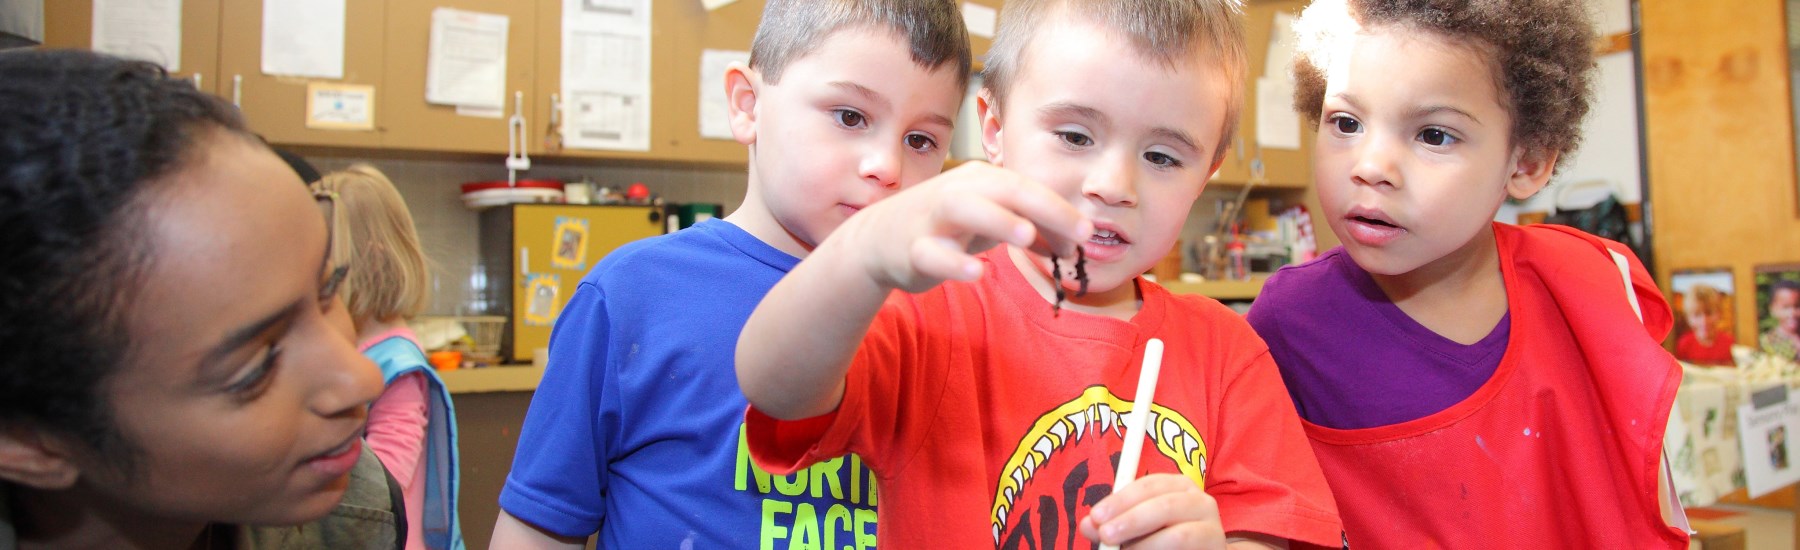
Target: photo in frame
(1778,310)
(1704,313)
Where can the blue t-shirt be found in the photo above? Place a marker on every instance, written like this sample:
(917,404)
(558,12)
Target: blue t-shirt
(1352,359)
(636,429)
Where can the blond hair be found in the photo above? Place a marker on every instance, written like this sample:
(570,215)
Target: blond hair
(1166,32)
(375,235)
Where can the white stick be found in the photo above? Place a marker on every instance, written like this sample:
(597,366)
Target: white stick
(1139,421)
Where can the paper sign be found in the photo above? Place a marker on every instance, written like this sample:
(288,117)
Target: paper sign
(467,61)
(340,106)
(1277,125)
(139,29)
(1767,427)
(981,20)
(715,117)
(606,74)
(303,38)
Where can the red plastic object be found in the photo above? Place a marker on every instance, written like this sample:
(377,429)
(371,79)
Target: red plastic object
(637,192)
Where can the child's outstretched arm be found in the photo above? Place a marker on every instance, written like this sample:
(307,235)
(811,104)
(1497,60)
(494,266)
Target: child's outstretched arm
(797,346)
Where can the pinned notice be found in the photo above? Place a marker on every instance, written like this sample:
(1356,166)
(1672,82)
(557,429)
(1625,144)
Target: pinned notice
(467,63)
(340,106)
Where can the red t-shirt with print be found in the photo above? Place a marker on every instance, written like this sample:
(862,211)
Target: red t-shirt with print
(991,421)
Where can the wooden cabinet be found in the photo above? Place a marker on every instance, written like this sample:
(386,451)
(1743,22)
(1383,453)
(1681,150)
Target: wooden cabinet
(407,121)
(680,31)
(70,24)
(275,106)
(1285,168)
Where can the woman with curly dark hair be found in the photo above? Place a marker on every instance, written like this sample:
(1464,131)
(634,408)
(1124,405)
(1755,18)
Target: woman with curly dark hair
(178,372)
(1466,383)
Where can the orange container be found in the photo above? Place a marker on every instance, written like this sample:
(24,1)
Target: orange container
(445,360)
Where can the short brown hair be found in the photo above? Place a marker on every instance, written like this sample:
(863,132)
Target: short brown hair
(388,278)
(1541,53)
(790,29)
(1163,31)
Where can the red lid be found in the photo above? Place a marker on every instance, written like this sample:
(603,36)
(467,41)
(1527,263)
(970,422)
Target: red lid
(474,186)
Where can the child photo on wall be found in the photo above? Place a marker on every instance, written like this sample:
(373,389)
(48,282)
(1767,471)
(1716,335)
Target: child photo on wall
(1778,310)
(1703,316)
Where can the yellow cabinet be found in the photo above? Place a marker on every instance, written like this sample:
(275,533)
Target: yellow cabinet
(409,122)
(70,24)
(275,106)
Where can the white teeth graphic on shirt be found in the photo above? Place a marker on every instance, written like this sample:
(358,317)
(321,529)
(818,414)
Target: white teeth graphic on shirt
(1096,413)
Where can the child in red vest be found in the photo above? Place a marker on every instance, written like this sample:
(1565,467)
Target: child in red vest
(1466,383)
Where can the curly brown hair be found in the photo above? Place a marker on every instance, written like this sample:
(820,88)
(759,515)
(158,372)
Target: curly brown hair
(1541,52)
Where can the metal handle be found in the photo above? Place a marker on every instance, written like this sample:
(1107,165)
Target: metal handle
(553,132)
(516,157)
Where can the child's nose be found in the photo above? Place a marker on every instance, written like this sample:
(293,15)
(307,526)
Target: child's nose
(1113,182)
(881,166)
(1375,164)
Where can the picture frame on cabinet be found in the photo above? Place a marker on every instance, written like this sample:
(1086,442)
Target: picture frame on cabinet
(1705,308)
(1778,310)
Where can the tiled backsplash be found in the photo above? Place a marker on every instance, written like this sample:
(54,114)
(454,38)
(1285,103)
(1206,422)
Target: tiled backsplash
(449,232)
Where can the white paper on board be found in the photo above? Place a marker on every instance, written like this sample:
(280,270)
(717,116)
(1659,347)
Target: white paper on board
(715,119)
(303,38)
(139,29)
(980,20)
(1766,436)
(606,74)
(466,64)
(1277,125)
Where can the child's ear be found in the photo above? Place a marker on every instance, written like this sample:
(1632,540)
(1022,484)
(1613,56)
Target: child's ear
(741,85)
(28,457)
(1531,171)
(989,115)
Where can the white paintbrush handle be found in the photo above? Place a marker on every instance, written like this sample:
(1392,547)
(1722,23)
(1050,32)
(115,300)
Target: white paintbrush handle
(1138,423)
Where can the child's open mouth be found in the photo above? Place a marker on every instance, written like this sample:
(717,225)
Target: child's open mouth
(1107,238)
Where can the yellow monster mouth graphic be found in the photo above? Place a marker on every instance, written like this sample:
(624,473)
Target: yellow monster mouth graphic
(1095,413)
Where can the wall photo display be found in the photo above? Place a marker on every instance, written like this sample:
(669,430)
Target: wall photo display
(1704,310)
(1778,310)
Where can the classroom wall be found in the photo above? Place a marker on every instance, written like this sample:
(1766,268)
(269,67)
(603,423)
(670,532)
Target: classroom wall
(1720,140)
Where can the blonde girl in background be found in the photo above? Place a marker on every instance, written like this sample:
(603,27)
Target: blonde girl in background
(412,426)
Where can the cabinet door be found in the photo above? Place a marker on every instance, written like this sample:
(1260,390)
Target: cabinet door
(679,32)
(410,122)
(1287,168)
(275,106)
(70,24)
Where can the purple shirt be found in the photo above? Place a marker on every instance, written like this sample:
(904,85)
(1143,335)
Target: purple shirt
(1351,359)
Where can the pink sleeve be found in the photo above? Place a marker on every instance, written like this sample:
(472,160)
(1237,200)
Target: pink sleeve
(397,426)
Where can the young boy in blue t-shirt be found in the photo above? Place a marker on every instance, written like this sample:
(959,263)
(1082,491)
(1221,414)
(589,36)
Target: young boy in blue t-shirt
(634,431)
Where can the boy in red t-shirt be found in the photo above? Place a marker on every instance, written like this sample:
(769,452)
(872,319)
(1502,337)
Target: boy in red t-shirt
(990,411)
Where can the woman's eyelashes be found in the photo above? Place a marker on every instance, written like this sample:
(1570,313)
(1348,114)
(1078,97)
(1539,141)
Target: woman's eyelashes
(256,378)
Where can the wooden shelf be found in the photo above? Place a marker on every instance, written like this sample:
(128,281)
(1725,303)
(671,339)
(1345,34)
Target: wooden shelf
(492,379)
(1221,290)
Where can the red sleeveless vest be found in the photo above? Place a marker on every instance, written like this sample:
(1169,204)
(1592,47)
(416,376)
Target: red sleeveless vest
(1559,449)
